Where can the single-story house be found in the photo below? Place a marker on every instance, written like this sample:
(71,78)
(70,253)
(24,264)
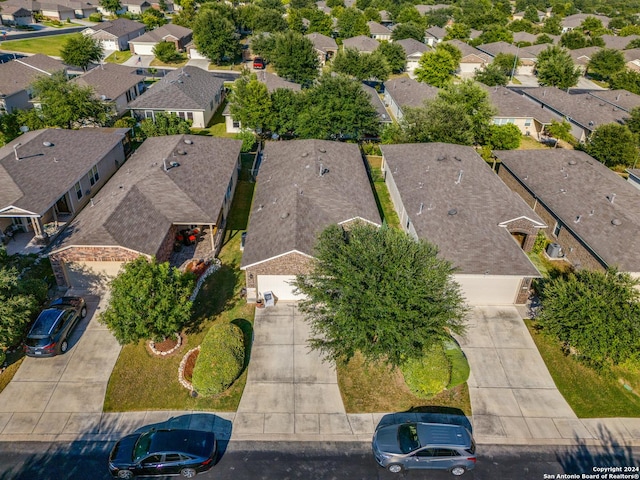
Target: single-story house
(621,99)
(413,50)
(136,6)
(583,111)
(448,195)
(57,11)
(17,75)
(582,56)
(115,34)
(472,58)
(591,211)
(116,84)
(527,60)
(326,47)
(171,183)
(401,92)
(574,21)
(178,35)
(541,16)
(617,42)
(48,175)
(303,187)
(379,31)
(16,15)
(361,43)
(521,111)
(385,18)
(424,9)
(632,59)
(189,92)
(524,37)
(434,35)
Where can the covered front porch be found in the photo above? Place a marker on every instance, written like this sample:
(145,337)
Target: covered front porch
(25,235)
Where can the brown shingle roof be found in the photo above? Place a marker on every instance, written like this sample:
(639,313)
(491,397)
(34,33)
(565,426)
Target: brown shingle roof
(622,99)
(160,33)
(141,201)
(293,203)
(442,178)
(511,104)
(119,27)
(322,42)
(377,29)
(572,184)
(412,46)
(407,92)
(110,80)
(469,53)
(45,173)
(18,74)
(362,43)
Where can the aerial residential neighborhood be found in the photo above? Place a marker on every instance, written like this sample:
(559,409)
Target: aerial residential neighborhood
(319,240)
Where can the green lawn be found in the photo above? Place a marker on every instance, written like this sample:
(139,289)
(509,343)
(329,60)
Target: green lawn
(177,64)
(590,394)
(217,126)
(50,45)
(381,193)
(118,57)
(530,143)
(141,381)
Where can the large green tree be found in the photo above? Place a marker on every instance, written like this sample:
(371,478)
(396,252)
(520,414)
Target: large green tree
(294,58)
(491,75)
(336,108)
(351,23)
(408,30)
(475,101)
(113,6)
(437,121)
(626,80)
(594,314)
(64,104)
(436,67)
(613,144)
(555,68)
(606,63)
(379,292)
(361,66)
(215,37)
(250,103)
(81,50)
(166,52)
(153,18)
(394,55)
(149,300)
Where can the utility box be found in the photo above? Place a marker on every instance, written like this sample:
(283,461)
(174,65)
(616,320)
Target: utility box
(554,250)
(269,300)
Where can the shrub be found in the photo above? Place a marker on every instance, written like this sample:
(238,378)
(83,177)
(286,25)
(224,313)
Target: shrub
(428,375)
(220,361)
(370,148)
(459,364)
(95,17)
(540,244)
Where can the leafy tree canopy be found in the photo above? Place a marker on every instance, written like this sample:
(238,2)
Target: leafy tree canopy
(149,300)
(81,50)
(491,75)
(250,103)
(164,124)
(458,31)
(626,80)
(555,68)
(408,30)
(388,310)
(294,58)
(475,101)
(394,55)
(351,23)
(574,39)
(436,67)
(153,18)
(559,131)
(113,6)
(215,37)
(504,137)
(166,52)
(361,66)
(606,62)
(595,314)
(613,144)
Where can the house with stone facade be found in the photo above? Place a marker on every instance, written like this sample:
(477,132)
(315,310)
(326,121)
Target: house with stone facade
(326,47)
(303,187)
(48,176)
(170,184)
(449,196)
(591,211)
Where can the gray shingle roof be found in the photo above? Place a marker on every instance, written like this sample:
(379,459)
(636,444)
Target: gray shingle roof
(158,34)
(42,62)
(513,105)
(617,42)
(293,203)
(472,238)
(407,92)
(573,21)
(188,88)
(322,42)
(572,184)
(436,32)
(110,80)
(495,48)
(376,103)
(470,54)
(622,99)
(631,54)
(582,108)
(412,46)
(524,37)
(581,56)
(119,27)
(17,75)
(423,9)
(141,201)
(274,82)
(362,43)
(377,29)
(45,173)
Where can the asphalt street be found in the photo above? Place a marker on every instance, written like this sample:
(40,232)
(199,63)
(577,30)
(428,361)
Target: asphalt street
(320,461)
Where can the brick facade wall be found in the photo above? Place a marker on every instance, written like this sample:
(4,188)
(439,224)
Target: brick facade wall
(88,254)
(526,228)
(166,248)
(290,264)
(574,250)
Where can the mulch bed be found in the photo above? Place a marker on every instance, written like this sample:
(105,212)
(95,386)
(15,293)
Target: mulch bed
(190,365)
(165,346)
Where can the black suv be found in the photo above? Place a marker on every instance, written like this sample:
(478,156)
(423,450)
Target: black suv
(50,333)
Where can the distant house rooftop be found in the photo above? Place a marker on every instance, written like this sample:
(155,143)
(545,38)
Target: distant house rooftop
(407,92)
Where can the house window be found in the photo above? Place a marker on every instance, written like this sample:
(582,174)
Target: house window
(236,124)
(93,175)
(527,122)
(556,229)
(229,190)
(78,190)
(190,116)
(148,114)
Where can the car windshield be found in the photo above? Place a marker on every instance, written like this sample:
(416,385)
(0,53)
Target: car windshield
(408,437)
(45,323)
(142,446)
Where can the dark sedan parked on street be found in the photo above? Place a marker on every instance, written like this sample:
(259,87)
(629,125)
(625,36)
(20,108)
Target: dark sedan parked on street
(50,333)
(163,452)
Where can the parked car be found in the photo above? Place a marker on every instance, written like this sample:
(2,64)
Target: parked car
(50,333)
(258,63)
(163,452)
(417,445)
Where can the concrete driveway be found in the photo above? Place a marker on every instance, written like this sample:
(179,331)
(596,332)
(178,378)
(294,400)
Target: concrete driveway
(289,389)
(512,392)
(62,394)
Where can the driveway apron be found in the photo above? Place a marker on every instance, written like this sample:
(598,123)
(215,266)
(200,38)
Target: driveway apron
(512,392)
(55,395)
(289,389)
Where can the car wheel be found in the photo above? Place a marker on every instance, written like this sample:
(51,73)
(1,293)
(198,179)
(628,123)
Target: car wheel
(83,312)
(125,474)
(188,472)
(395,468)
(64,346)
(457,471)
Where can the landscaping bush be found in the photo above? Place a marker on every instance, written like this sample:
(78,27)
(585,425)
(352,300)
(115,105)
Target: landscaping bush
(95,17)
(220,361)
(540,244)
(459,364)
(428,375)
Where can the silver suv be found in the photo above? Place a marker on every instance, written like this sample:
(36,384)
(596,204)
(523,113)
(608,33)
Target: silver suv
(417,445)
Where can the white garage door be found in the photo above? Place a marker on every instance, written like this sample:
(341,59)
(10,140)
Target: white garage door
(143,49)
(489,289)
(279,285)
(90,275)
(110,45)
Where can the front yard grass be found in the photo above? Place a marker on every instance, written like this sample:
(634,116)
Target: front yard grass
(50,45)
(589,393)
(181,62)
(141,381)
(118,57)
(530,143)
